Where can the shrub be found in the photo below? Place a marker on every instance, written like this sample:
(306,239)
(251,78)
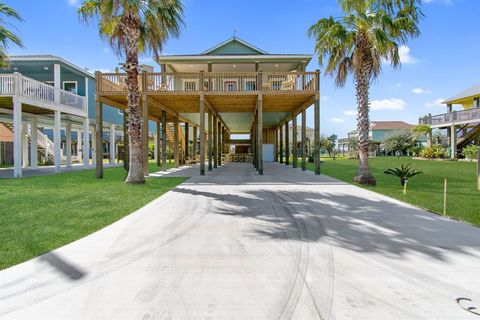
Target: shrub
(470,152)
(404,172)
(436,151)
(415,150)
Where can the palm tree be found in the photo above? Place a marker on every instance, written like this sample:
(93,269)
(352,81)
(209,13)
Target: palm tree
(133,27)
(424,129)
(358,43)
(6,36)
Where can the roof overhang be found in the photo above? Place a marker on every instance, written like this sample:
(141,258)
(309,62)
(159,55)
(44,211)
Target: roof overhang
(235,58)
(50,58)
(464,96)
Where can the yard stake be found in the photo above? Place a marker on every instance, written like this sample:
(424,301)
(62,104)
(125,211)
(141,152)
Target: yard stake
(445,198)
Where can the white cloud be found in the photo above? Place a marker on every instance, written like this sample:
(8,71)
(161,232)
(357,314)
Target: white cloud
(420,91)
(350,113)
(405,56)
(74,3)
(337,120)
(388,104)
(102,70)
(435,103)
(324,98)
(106,50)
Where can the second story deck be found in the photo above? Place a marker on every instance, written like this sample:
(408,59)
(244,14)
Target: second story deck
(42,96)
(212,83)
(467,116)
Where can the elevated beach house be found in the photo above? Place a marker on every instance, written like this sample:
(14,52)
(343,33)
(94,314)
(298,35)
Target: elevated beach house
(461,121)
(48,105)
(231,88)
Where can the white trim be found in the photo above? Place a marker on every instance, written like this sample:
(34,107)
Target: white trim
(249,80)
(52,83)
(190,80)
(48,57)
(231,80)
(247,58)
(245,43)
(70,81)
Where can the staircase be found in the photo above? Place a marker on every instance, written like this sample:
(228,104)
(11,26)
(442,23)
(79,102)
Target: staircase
(171,139)
(472,134)
(45,145)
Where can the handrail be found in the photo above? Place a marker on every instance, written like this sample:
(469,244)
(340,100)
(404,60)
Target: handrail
(18,84)
(450,117)
(213,82)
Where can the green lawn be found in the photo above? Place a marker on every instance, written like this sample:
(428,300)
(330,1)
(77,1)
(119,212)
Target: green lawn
(426,190)
(40,214)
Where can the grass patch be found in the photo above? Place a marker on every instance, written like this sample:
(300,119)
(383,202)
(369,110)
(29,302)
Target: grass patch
(426,190)
(40,214)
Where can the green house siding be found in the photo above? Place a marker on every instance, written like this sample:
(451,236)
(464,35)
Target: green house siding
(234,47)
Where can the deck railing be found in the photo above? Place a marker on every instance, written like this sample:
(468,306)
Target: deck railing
(467,115)
(17,84)
(211,83)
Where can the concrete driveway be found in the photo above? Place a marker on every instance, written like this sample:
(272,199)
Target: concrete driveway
(234,245)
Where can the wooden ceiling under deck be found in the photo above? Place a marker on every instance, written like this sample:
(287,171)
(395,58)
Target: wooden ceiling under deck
(175,104)
(7,103)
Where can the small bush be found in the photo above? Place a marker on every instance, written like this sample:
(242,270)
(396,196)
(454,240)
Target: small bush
(436,151)
(415,150)
(470,152)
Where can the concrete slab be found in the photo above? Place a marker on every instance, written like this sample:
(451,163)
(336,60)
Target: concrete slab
(235,245)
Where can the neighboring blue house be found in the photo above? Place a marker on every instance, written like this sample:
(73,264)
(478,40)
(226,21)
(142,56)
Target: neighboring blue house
(51,102)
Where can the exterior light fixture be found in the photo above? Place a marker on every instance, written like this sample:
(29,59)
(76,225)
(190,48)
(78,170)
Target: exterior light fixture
(45,68)
(276,66)
(234,65)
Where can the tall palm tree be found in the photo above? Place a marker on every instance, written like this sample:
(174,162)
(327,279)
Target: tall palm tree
(6,36)
(368,34)
(133,27)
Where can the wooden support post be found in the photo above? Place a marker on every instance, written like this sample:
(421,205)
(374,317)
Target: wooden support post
(126,144)
(145,135)
(176,144)
(287,144)
(202,135)
(294,141)
(254,140)
(260,133)
(164,140)
(453,142)
(68,144)
(281,144)
(57,140)
(194,143)
(99,140)
(317,130)
(34,142)
(210,141)
(215,142)
(187,140)
(220,143)
(304,140)
(275,147)
(158,150)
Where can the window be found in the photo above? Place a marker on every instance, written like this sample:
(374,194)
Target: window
(250,85)
(189,85)
(276,84)
(230,85)
(70,86)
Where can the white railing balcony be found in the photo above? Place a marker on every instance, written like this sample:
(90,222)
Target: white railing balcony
(19,85)
(455,117)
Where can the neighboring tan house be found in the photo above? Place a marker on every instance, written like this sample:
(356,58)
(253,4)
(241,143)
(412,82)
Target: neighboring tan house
(6,144)
(462,125)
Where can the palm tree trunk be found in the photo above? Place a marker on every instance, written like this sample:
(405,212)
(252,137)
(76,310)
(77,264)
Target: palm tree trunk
(362,86)
(131,28)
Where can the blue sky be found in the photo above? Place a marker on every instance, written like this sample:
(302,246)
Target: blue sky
(444,60)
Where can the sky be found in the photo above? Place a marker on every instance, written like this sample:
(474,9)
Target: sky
(443,61)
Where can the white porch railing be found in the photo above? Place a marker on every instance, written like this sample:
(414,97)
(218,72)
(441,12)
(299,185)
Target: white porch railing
(45,143)
(17,84)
